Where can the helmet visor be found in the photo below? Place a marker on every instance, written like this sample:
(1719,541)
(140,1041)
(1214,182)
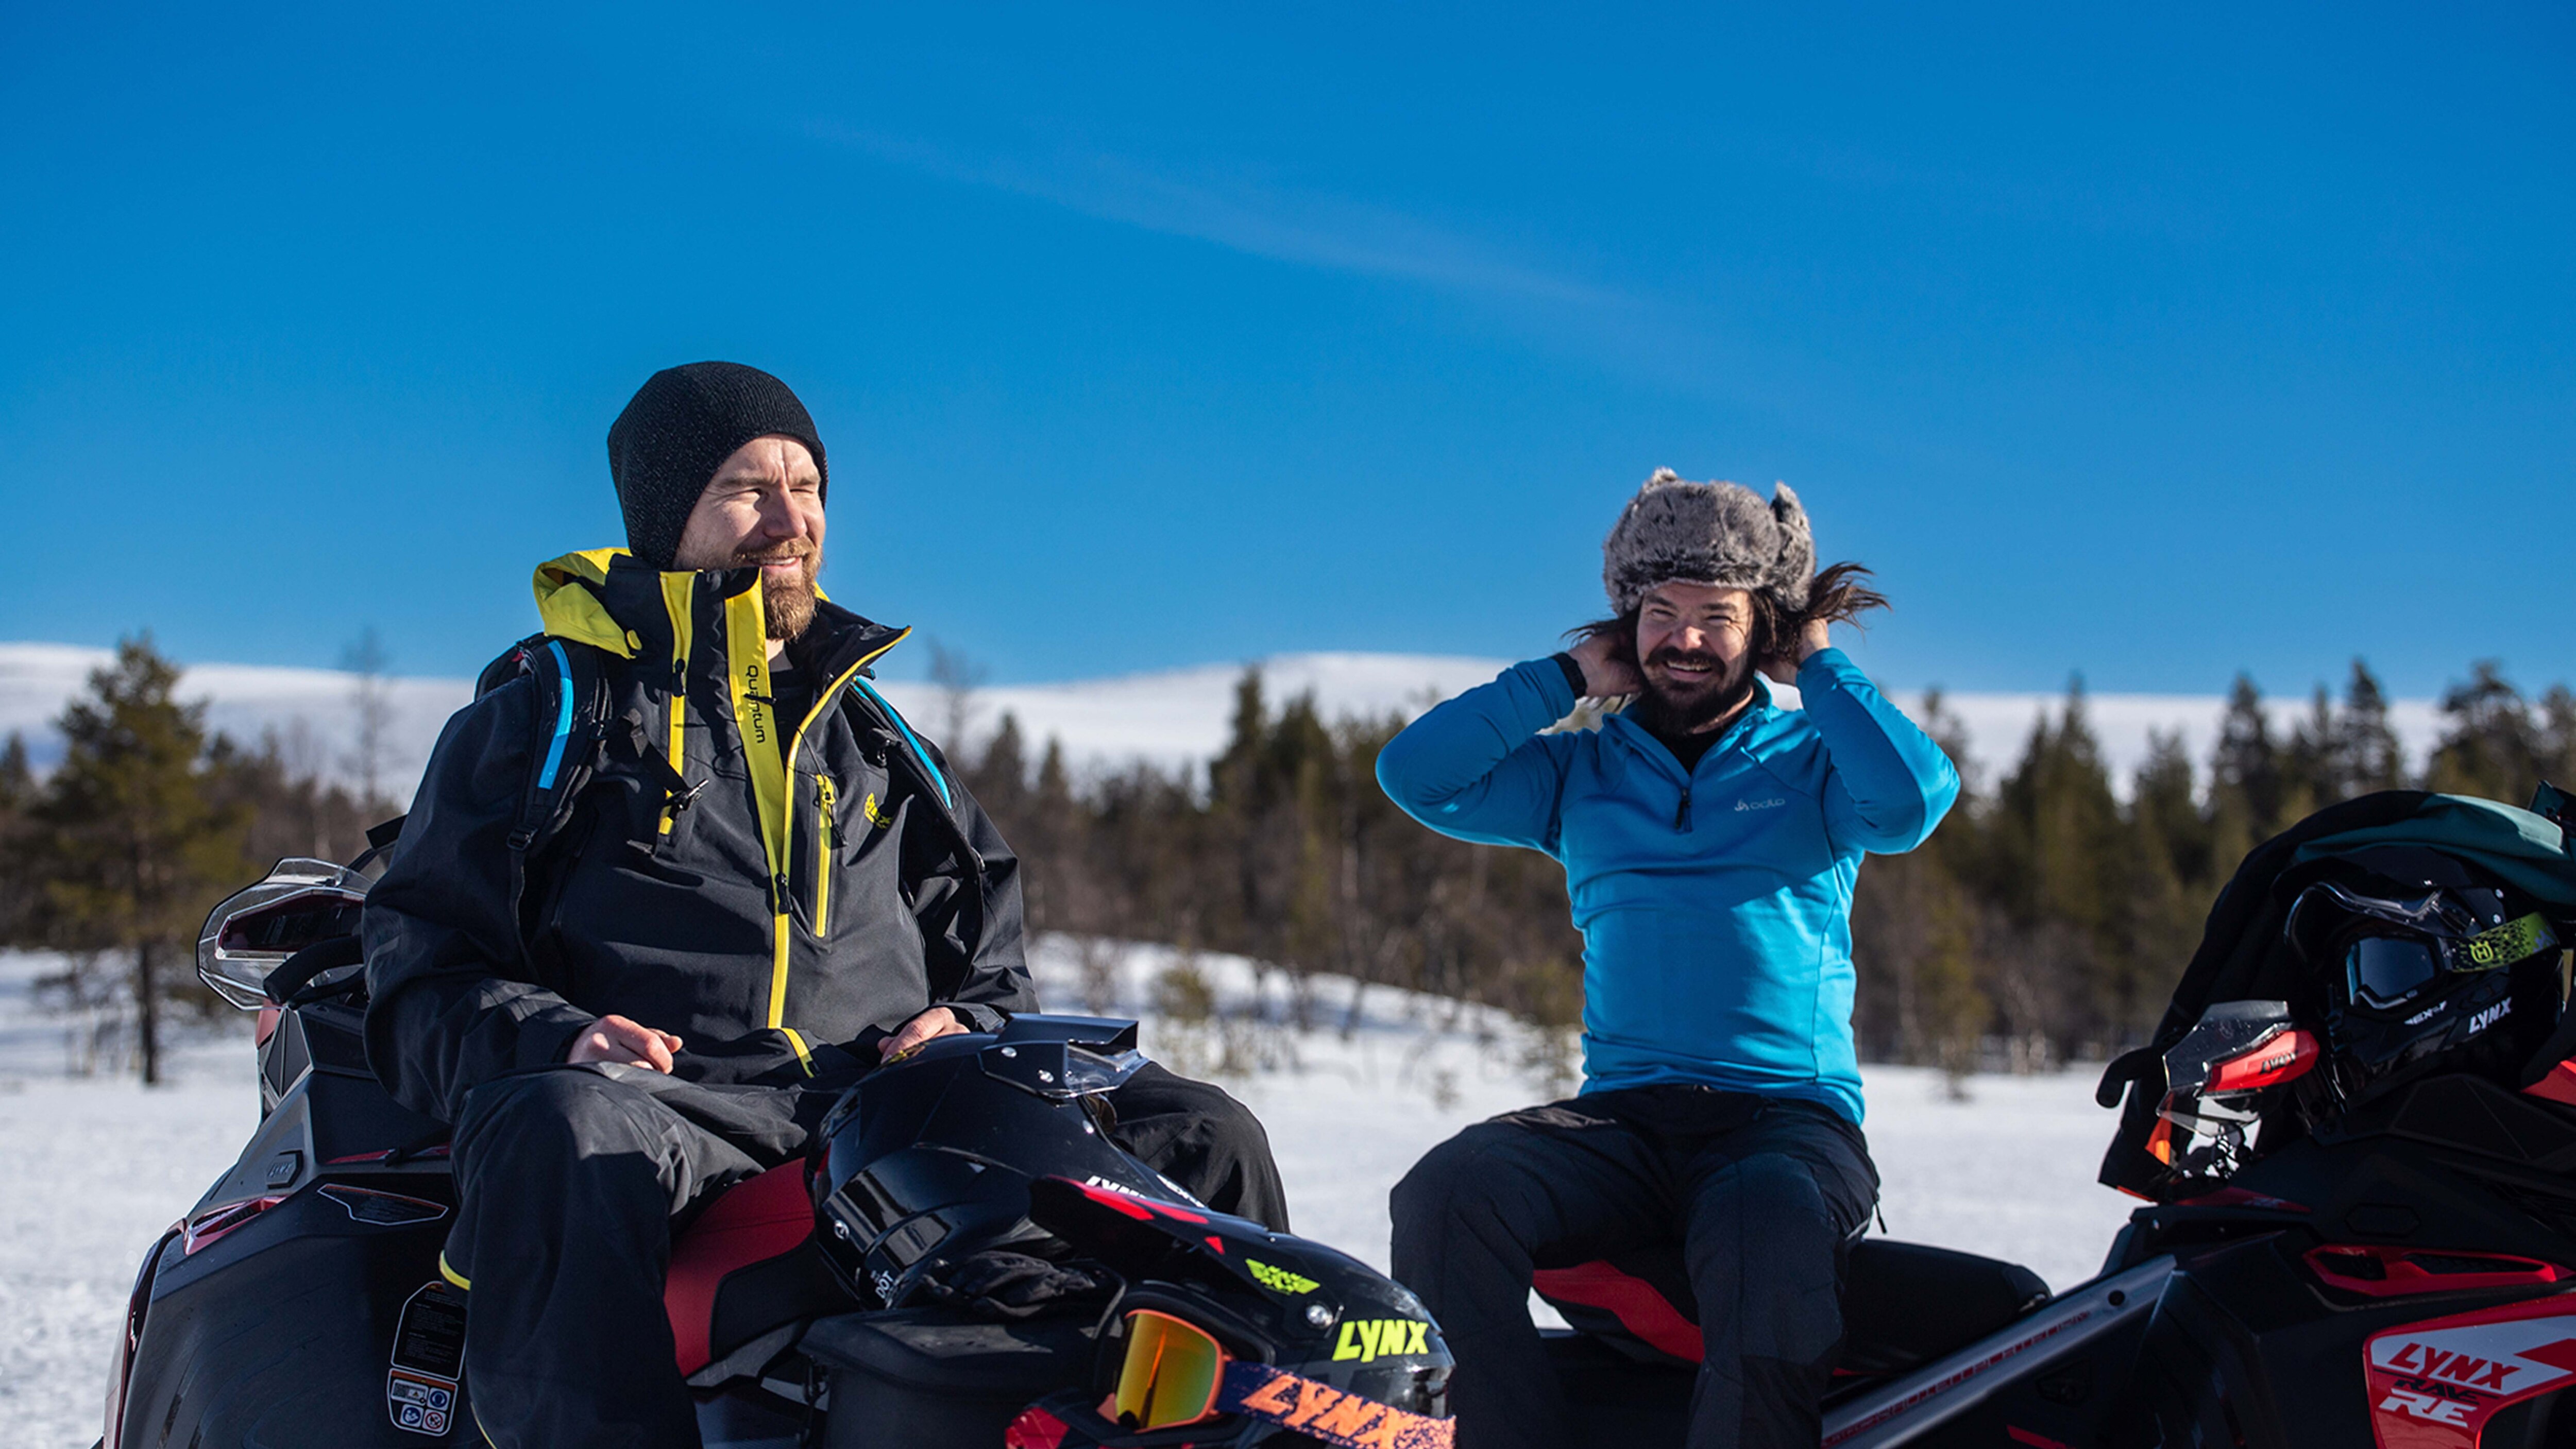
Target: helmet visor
(2387,970)
(1170,1374)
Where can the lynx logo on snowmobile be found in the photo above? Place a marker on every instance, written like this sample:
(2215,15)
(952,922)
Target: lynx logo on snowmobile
(2456,1373)
(1366,1339)
(1279,1279)
(2442,1359)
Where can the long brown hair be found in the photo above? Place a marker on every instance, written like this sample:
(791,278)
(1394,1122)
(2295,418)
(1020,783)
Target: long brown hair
(1838,596)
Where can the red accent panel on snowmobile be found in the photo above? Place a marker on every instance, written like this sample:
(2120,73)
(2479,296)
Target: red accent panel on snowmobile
(1035,1428)
(2380,1271)
(1632,1300)
(2274,1062)
(2435,1384)
(2241,1197)
(206,1227)
(2558,1086)
(754,1221)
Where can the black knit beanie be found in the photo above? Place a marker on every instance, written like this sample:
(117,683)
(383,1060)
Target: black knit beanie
(678,429)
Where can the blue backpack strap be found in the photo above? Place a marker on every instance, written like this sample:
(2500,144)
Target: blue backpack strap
(930,767)
(568,717)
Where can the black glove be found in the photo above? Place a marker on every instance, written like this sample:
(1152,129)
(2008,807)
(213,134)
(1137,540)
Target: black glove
(1006,1285)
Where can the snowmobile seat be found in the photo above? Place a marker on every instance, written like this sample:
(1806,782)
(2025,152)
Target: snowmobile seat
(747,1264)
(1904,1304)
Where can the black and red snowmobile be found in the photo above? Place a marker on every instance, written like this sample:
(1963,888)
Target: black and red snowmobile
(970,1261)
(2356,1132)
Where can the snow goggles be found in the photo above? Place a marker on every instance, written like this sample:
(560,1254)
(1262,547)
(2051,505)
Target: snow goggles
(2395,948)
(1170,1375)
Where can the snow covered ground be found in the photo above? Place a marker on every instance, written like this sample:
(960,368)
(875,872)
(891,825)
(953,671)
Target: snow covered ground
(97,1166)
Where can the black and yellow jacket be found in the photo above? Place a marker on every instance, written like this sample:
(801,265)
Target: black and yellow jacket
(778,911)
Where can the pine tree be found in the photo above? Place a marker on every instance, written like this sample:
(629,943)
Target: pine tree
(131,848)
(2247,781)
(17,804)
(2367,755)
(2488,746)
(2166,890)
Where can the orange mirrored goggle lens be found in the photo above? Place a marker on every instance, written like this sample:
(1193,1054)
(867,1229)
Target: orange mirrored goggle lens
(1170,1375)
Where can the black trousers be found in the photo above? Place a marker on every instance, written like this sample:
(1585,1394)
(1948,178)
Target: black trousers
(568,1181)
(1763,1193)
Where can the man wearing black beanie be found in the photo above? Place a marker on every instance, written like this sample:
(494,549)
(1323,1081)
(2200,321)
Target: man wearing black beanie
(754,881)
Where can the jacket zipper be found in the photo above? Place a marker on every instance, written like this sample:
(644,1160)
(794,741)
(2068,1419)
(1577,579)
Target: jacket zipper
(1681,814)
(824,832)
(747,664)
(679,592)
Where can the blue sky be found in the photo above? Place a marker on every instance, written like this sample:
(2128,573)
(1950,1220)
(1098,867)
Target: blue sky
(2155,344)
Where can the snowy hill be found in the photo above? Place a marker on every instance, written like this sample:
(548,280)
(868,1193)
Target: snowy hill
(1173,717)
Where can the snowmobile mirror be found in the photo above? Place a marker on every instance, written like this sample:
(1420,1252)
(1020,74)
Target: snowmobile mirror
(1108,1035)
(1058,1069)
(2226,1031)
(298,903)
(2218,1076)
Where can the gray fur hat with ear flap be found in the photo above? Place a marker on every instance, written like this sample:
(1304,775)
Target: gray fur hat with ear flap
(1719,534)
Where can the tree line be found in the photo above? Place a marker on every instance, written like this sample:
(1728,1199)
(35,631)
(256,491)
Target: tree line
(2047,918)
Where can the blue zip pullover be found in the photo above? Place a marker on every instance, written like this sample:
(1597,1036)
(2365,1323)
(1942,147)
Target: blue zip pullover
(1715,904)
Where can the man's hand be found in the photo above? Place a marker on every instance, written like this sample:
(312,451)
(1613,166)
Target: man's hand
(1783,667)
(937,1021)
(615,1039)
(1608,672)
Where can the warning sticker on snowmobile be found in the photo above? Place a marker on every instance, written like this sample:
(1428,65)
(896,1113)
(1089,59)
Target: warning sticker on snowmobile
(1327,1414)
(428,1361)
(2434,1385)
(420,1404)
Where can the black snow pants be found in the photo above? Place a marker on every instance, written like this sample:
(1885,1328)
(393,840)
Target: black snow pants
(568,1183)
(1764,1194)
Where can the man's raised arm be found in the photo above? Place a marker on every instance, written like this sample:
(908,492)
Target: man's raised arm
(1475,767)
(1891,784)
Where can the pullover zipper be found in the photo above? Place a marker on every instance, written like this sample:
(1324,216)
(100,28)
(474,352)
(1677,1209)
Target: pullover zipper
(1681,814)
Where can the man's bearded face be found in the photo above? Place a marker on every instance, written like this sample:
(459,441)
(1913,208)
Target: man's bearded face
(1694,651)
(763,509)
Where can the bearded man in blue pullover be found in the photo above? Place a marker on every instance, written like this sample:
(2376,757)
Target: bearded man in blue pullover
(1710,841)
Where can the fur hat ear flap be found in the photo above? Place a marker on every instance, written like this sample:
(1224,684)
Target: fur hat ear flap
(1793,574)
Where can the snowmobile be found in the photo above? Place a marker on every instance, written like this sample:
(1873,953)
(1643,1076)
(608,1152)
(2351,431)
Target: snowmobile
(2355,1130)
(968,1260)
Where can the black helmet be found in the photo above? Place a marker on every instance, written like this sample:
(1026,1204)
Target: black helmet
(2419,962)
